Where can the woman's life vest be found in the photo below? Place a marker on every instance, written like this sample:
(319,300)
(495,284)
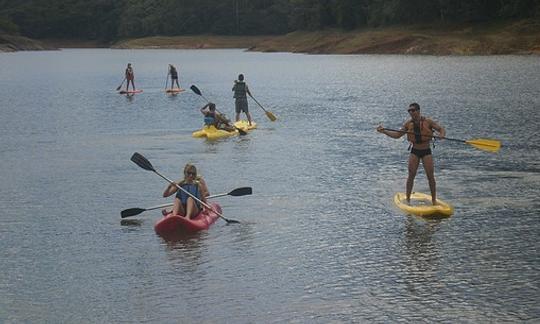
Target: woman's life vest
(192,188)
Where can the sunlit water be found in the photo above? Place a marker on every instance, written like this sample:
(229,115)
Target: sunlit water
(320,239)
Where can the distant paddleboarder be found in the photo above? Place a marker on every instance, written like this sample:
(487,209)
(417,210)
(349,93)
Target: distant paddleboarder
(174,76)
(241,91)
(419,132)
(130,77)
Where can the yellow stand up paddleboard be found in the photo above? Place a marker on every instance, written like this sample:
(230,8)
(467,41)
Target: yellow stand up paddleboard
(245,126)
(420,205)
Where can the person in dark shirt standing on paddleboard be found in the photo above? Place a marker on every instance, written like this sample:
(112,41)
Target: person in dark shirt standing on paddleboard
(419,132)
(130,77)
(174,76)
(241,91)
(184,204)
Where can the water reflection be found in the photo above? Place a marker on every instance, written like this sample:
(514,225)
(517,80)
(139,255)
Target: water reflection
(422,254)
(243,234)
(180,239)
(210,147)
(131,224)
(184,250)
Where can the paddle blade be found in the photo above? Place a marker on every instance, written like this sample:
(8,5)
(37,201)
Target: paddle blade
(241,131)
(271,116)
(231,221)
(141,161)
(131,212)
(241,191)
(118,88)
(196,90)
(488,145)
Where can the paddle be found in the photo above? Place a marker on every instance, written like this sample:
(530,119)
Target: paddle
(488,145)
(167,80)
(141,161)
(120,86)
(136,211)
(268,113)
(198,92)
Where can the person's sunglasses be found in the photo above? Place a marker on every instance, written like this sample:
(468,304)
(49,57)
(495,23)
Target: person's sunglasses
(191,173)
(411,110)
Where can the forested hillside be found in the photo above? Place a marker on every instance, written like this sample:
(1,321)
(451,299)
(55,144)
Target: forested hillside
(109,20)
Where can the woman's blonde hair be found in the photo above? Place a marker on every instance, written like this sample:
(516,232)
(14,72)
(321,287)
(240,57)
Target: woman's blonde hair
(191,168)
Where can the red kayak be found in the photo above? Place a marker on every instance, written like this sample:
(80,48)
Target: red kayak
(174,223)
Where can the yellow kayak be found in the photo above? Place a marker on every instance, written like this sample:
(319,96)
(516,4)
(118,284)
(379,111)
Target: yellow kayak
(212,133)
(420,205)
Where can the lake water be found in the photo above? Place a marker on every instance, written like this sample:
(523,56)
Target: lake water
(320,239)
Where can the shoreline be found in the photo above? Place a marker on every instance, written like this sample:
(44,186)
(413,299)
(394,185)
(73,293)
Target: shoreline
(520,37)
(495,38)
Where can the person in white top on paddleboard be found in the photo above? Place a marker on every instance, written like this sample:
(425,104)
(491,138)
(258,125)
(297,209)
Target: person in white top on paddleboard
(419,132)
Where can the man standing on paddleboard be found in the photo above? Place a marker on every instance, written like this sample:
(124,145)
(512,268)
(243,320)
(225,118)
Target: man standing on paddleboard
(419,132)
(241,91)
(174,76)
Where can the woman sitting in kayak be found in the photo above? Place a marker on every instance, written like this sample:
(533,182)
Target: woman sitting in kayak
(213,117)
(184,204)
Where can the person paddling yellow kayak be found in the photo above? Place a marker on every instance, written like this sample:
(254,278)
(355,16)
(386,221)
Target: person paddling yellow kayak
(213,117)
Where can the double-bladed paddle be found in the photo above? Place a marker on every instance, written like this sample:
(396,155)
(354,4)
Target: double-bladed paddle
(141,161)
(136,211)
(268,113)
(489,145)
(198,92)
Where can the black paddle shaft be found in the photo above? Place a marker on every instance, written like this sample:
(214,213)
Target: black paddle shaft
(434,136)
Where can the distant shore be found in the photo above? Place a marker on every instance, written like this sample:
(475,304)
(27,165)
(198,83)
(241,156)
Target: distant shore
(519,37)
(515,37)
(15,43)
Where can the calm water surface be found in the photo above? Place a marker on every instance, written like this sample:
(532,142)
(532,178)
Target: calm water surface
(320,239)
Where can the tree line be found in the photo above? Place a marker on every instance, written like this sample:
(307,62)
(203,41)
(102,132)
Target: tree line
(108,20)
